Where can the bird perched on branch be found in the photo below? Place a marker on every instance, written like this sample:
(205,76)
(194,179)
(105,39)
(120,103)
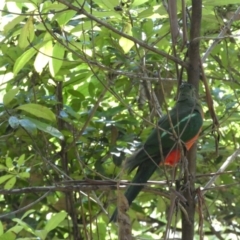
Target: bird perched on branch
(175,133)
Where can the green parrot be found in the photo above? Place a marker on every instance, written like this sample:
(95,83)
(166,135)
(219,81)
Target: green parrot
(177,130)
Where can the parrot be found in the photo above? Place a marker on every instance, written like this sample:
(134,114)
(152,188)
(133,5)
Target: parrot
(176,131)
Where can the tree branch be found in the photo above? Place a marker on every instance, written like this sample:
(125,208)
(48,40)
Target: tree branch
(136,41)
(193,73)
(221,35)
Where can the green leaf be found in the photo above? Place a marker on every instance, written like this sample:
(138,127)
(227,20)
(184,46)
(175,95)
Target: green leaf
(9,96)
(10,183)
(2,167)
(23,224)
(8,236)
(24,175)
(219,2)
(110,4)
(13,122)
(1,229)
(139,2)
(9,162)
(125,43)
(38,111)
(55,221)
(12,23)
(49,6)
(57,59)
(44,55)
(47,128)
(21,160)
(29,126)
(23,60)
(27,34)
(64,17)
(41,234)
(5,178)
(27,213)
(16,229)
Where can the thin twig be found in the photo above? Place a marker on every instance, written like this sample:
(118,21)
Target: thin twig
(222,33)
(25,207)
(136,41)
(228,161)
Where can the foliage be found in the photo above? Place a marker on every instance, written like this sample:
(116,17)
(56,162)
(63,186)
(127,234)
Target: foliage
(82,85)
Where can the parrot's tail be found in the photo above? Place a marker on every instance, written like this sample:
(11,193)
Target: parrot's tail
(142,176)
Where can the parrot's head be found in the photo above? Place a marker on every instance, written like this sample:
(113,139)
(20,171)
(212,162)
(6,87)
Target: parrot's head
(187,97)
(186,91)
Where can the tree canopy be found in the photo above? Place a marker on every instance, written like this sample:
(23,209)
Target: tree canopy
(82,84)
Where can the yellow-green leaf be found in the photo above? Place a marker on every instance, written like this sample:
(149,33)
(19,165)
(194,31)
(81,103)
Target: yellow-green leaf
(27,34)
(8,97)
(9,163)
(47,128)
(125,43)
(1,229)
(24,175)
(10,24)
(10,183)
(38,111)
(8,236)
(57,59)
(64,17)
(5,178)
(21,160)
(54,221)
(43,56)
(2,167)
(23,59)
(27,213)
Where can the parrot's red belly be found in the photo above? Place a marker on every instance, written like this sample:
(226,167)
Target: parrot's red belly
(175,155)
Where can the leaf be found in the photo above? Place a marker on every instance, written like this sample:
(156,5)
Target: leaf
(110,4)
(43,56)
(27,213)
(64,17)
(9,163)
(219,2)
(41,234)
(55,221)
(47,128)
(29,126)
(91,89)
(24,175)
(125,43)
(13,122)
(1,229)
(27,34)
(23,224)
(8,236)
(38,111)
(139,2)
(49,6)
(23,59)
(9,96)
(21,160)
(16,229)
(2,167)
(10,183)
(5,178)
(11,23)
(57,59)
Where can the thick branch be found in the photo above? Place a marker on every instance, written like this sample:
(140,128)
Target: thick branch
(193,77)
